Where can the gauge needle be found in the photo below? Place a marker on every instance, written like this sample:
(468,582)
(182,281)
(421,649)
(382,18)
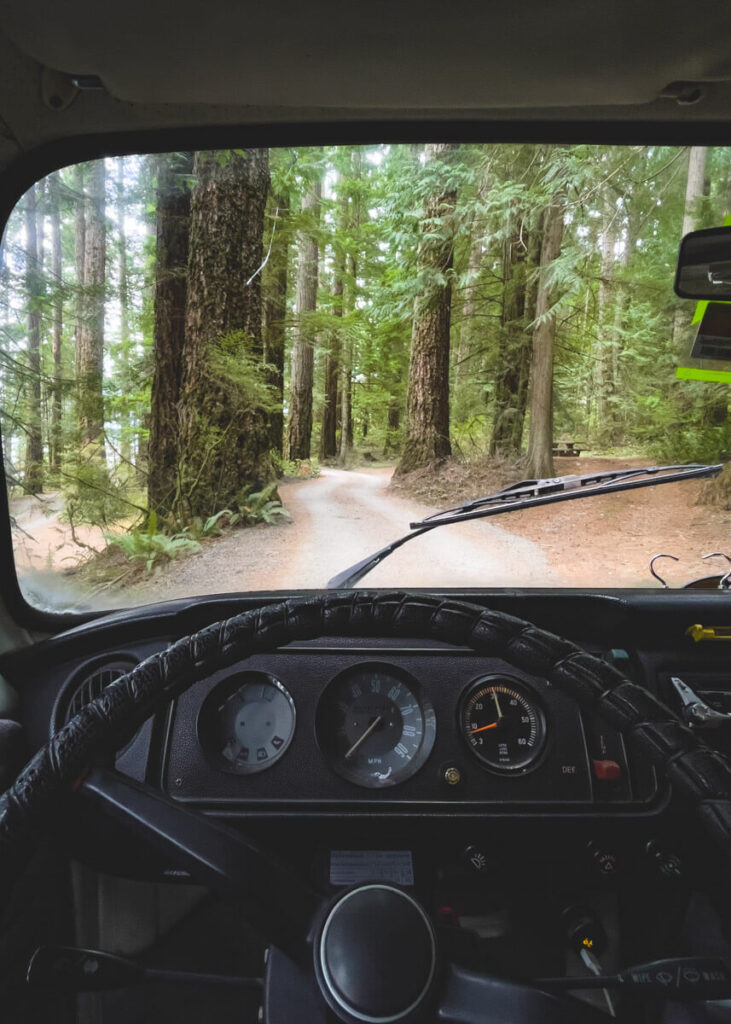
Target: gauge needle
(365,736)
(492,725)
(497,704)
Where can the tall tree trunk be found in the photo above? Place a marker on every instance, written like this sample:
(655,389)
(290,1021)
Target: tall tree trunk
(56,447)
(171,289)
(427,434)
(300,412)
(328,434)
(512,373)
(224,424)
(540,443)
(90,343)
(34,442)
(347,351)
(533,259)
(604,346)
(124,314)
(465,334)
(80,252)
(275,314)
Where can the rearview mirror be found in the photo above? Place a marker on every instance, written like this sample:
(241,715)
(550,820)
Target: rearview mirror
(704,265)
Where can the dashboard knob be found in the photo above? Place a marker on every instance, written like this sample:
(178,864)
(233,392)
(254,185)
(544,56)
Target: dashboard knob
(376,957)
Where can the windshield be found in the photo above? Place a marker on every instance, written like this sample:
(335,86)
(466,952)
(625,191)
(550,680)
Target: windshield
(248,369)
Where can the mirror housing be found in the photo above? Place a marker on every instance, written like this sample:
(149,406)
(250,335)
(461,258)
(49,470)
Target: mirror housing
(704,265)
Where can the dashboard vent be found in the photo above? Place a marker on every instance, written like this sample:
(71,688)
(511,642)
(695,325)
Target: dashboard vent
(93,684)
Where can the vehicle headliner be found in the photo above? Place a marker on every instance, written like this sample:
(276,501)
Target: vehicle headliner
(165,65)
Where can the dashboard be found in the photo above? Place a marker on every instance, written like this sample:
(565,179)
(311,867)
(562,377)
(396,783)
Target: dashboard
(388,745)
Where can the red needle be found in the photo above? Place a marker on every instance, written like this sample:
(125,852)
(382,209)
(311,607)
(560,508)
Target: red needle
(492,725)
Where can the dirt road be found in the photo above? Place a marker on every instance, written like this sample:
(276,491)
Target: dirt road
(337,519)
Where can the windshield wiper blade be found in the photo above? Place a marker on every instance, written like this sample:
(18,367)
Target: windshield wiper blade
(529,494)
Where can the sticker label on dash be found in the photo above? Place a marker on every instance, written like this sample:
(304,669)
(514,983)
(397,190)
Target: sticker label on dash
(349,867)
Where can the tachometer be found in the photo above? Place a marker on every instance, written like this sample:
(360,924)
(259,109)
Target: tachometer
(247,723)
(503,723)
(375,725)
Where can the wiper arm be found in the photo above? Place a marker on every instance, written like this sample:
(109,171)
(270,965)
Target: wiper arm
(529,494)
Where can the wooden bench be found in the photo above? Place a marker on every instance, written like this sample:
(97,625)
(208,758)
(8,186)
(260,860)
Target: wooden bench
(568,448)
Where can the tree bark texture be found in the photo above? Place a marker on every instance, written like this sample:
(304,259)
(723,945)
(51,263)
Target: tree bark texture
(511,380)
(604,355)
(347,353)
(56,446)
(328,435)
(171,289)
(540,443)
(124,315)
(302,371)
(90,337)
(33,285)
(427,407)
(275,314)
(224,422)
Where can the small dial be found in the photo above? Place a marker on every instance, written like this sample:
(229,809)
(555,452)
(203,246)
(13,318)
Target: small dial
(247,723)
(502,722)
(375,726)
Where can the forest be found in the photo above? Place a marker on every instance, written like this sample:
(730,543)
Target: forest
(180,330)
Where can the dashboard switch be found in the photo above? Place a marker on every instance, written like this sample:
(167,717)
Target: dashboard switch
(475,857)
(607,771)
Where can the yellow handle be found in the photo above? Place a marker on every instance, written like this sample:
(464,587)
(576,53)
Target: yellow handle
(699,633)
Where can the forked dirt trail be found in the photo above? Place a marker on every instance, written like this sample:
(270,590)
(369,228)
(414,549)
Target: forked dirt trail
(343,516)
(337,519)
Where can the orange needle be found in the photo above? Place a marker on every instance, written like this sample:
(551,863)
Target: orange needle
(492,725)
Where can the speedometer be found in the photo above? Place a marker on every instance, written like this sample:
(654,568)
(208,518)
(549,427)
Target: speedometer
(375,725)
(503,724)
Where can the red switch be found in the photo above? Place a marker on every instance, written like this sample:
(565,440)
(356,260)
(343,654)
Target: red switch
(607,771)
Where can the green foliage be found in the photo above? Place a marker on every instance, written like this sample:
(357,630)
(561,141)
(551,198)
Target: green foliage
(259,507)
(299,469)
(92,494)
(151,547)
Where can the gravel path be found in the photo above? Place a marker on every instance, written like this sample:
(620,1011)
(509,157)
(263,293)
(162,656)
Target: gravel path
(337,519)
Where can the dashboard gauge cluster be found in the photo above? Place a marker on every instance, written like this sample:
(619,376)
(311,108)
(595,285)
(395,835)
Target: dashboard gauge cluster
(327,729)
(374,724)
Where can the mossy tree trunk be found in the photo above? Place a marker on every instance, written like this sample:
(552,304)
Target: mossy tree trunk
(540,442)
(299,433)
(33,285)
(224,401)
(56,445)
(427,406)
(90,335)
(171,290)
(276,280)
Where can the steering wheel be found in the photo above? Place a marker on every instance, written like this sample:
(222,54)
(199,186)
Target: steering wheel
(371,953)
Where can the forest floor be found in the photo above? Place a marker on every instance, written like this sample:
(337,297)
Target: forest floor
(606,541)
(342,516)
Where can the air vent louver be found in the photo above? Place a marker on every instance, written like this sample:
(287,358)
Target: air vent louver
(93,684)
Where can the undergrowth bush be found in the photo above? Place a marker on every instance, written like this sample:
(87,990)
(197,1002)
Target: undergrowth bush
(301,469)
(151,547)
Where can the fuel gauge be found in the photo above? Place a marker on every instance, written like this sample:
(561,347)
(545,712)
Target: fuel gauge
(247,723)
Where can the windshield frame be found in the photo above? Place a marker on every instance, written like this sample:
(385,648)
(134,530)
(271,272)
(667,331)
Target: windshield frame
(30,167)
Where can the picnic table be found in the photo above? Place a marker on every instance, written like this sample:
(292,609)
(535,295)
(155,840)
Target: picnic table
(568,448)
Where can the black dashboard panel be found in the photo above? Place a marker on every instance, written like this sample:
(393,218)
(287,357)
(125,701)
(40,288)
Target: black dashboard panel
(647,630)
(303,778)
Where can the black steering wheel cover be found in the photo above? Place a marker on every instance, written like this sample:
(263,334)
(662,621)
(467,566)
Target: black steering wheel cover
(695,771)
